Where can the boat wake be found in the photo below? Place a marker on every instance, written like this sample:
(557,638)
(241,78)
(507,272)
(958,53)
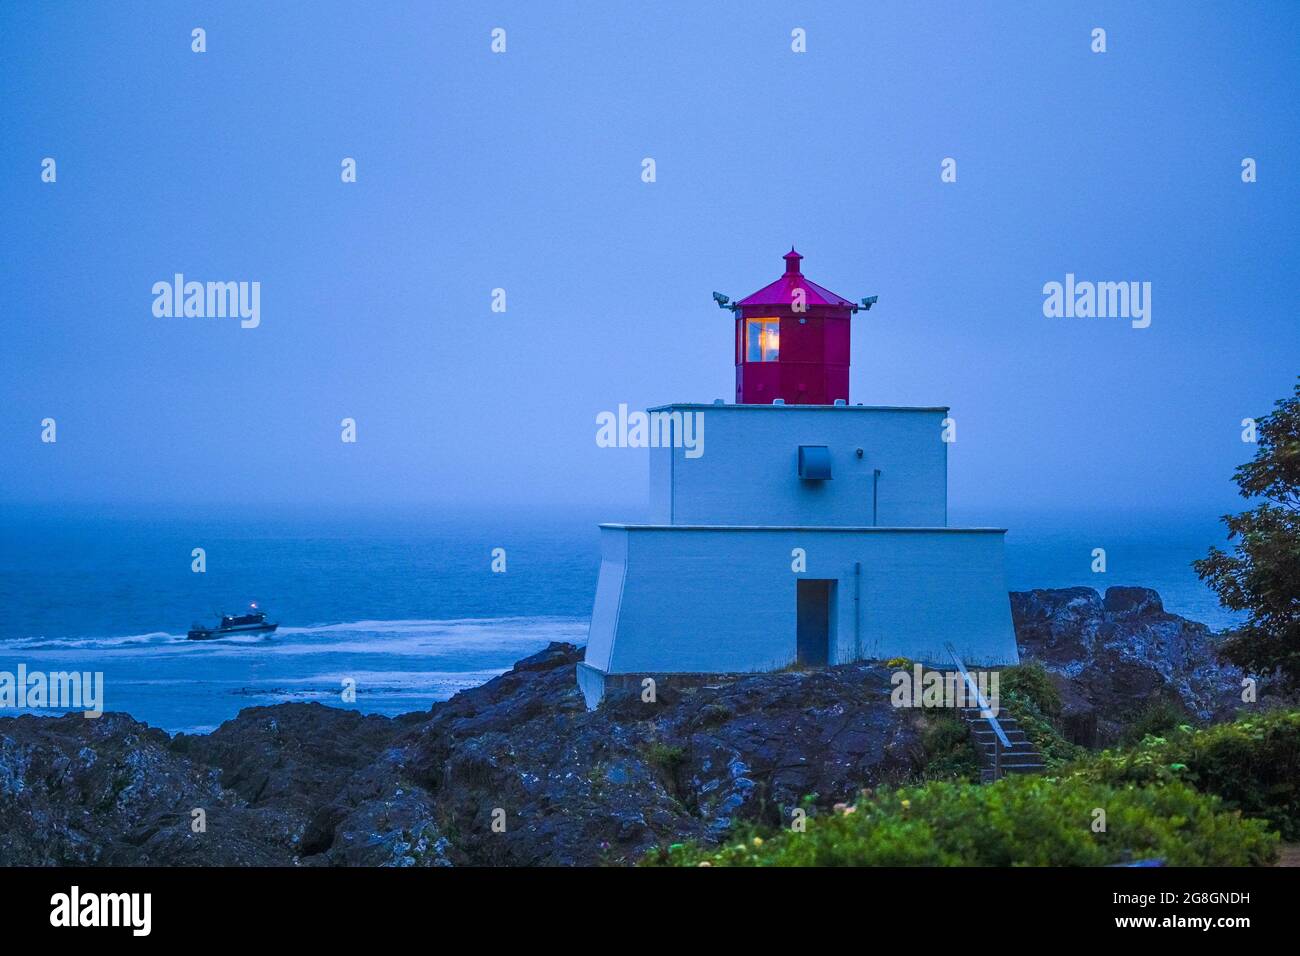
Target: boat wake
(369,636)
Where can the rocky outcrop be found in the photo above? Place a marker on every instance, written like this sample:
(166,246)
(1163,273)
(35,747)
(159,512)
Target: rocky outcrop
(305,769)
(515,772)
(1114,656)
(518,772)
(633,773)
(112,791)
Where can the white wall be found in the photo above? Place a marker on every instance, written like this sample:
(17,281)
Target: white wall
(748,473)
(717,600)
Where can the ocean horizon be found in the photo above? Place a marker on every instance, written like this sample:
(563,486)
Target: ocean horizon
(405,604)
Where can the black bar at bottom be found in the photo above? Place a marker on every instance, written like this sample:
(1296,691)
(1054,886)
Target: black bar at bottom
(333,905)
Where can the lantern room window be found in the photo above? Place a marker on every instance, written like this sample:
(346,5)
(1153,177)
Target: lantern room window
(763,338)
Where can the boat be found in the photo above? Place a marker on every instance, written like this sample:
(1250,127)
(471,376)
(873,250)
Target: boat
(251,622)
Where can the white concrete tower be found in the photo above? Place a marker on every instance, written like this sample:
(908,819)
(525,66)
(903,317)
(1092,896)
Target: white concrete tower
(788,534)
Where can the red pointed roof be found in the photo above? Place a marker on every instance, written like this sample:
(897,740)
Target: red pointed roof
(781,292)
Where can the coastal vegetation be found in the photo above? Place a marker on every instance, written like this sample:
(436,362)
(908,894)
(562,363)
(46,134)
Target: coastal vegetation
(1251,764)
(1018,821)
(1261,575)
(1216,796)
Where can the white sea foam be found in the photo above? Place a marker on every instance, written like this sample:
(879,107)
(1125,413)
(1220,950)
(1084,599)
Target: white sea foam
(415,637)
(92,643)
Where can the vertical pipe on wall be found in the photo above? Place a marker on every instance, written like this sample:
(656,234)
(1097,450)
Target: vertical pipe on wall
(672,473)
(857,612)
(875,483)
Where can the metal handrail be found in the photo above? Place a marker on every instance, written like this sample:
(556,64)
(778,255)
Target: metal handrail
(986,709)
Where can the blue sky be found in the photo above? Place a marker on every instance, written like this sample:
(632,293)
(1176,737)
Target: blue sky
(522,171)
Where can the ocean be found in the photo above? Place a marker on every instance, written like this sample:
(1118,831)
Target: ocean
(405,605)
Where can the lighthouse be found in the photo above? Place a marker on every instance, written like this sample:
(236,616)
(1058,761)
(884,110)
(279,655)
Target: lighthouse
(794,528)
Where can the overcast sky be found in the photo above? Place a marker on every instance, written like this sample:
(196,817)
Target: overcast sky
(523,170)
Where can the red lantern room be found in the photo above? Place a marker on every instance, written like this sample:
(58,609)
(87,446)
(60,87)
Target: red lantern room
(792,341)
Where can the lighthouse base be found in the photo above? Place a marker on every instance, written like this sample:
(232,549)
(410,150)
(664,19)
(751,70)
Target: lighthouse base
(709,600)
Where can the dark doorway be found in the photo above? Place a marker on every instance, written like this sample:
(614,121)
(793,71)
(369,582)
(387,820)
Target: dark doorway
(815,599)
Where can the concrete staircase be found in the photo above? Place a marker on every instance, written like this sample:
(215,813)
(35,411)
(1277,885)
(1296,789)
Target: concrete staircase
(996,759)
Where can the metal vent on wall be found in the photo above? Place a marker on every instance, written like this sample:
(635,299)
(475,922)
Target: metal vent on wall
(814,462)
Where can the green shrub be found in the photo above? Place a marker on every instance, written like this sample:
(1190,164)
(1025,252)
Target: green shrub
(667,757)
(1253,764)
(1019,821)
(1157,719)
(1032,680)
(949,752)
(1041,731)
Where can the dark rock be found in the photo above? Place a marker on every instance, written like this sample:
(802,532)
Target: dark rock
(634,774)
(315,785)
(78,791)
(289,755)
(1115,656)
(1133,603)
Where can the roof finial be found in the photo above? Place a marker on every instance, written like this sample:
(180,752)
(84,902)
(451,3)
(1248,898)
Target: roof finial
(792,262)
